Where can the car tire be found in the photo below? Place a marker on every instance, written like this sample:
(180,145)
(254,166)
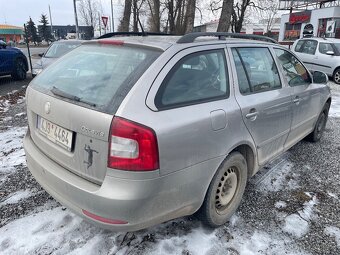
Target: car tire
(320,125)
(19,72)
(225,191)
(336,76)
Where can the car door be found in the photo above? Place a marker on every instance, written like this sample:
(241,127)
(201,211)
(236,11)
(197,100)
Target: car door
(306,98)
(324,62)
(198,119)
(265,103)
(305,50)
(6,60)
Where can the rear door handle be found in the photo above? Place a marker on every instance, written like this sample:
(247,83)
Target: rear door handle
(296,100)
(252,115)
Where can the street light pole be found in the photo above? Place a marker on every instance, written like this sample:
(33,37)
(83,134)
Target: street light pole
(113,23)
(49,9)
(76,18)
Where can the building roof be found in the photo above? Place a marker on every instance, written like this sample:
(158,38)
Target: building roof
(12,30)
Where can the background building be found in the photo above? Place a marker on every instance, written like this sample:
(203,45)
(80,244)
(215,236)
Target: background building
(11,33)
(62,32)
(257,28)
(318,19)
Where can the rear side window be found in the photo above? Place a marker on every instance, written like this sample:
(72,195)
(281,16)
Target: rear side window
(298,46)
(100,75)
(324,47)
(295,73)
(307,47)
(196,78)
(256,70)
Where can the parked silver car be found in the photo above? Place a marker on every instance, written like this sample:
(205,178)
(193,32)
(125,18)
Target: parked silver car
(320,54)
(55,51)
(133,131)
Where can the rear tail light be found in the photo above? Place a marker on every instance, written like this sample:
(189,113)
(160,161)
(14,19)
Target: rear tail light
(132,146)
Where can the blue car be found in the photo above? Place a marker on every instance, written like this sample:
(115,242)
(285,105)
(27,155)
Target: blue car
(12,62)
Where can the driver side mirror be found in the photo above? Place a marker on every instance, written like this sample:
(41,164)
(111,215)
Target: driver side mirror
(320,77)
(41,55)
(330,52)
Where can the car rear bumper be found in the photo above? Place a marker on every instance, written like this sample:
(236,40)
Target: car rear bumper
(141,203)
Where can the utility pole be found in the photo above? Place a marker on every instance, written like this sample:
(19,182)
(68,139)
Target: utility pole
(49,9)
(100,25)
(76,18)
(113,22)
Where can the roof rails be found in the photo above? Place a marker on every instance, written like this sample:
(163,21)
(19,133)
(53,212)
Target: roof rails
(108,35)
(189,38)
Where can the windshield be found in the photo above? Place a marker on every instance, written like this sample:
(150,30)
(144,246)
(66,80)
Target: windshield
(95,73)
(58,49)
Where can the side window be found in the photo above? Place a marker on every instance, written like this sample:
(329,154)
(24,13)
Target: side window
(324,47)
(298,47)
(256,70)
(196,78)
(309,47)
(295,73)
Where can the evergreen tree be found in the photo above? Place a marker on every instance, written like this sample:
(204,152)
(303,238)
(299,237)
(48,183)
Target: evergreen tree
(32,32)
(44,31)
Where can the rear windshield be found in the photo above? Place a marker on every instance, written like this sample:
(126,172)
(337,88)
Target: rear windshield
(96,75)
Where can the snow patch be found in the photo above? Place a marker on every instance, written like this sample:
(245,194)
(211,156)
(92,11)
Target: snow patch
(334,111)
(280,204)
(16,197)
(297,224)
(42,232)
(335,232)
(6,119)
(20,114)
(332,195)
(11,149)
(279,177)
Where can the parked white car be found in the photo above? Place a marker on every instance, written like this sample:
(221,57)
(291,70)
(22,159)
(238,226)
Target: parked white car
(320,54)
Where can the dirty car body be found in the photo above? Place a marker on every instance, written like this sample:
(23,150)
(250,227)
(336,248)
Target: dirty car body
(134,131)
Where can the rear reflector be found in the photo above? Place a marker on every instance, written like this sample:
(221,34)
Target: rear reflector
(132,146)
(102,219)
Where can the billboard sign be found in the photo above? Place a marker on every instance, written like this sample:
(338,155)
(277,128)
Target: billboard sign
(299,17)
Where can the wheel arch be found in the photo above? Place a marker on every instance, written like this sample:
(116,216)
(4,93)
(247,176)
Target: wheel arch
(250,156)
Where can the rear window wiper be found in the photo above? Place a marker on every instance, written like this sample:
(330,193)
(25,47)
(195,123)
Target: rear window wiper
(64,94)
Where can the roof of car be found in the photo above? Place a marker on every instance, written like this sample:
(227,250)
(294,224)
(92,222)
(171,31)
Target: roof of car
(164,42)
(321,39)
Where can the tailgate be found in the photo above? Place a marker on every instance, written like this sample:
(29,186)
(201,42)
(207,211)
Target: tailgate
(73,136)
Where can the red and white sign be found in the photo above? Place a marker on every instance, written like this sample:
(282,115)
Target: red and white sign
(105,19)
(299,17)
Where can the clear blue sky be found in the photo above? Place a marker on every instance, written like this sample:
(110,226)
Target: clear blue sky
(17,12)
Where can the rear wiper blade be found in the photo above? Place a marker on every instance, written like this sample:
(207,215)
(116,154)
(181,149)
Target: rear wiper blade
(64,94)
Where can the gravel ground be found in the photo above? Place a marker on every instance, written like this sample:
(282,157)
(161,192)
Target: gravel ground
(290,207)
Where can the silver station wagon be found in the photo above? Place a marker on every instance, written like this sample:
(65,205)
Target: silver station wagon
(129,132)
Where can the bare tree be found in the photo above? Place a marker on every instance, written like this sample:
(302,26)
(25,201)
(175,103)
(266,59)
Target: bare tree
(237,13)
(266,11)
(225,17)
(190,16)
(125,21)
(180,15)
(88,11)
(155,18)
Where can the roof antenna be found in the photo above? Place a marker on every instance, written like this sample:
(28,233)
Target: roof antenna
(140,24)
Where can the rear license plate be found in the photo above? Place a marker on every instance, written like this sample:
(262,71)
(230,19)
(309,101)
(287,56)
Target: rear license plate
(55,133)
